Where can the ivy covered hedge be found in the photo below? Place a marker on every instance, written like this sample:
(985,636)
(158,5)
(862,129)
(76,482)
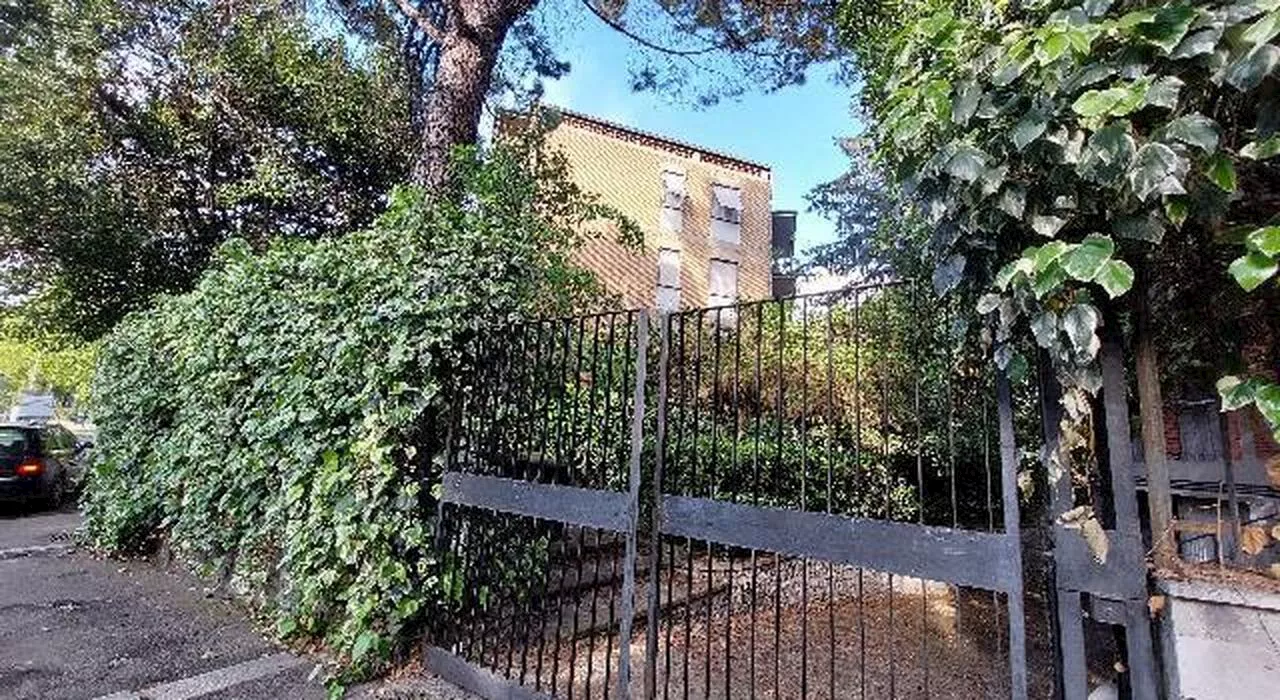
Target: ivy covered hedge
(279,426)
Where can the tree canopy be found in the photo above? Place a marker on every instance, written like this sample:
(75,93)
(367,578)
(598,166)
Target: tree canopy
(135,137)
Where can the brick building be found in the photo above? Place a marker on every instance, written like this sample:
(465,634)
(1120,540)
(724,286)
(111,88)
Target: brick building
(705,215)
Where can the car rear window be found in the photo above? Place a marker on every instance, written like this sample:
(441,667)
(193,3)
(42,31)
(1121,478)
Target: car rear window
(13,442)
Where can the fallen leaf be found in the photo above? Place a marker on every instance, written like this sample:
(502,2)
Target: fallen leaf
(1155,604)
(1274,570)
(1273,471)
(1253,540)
(1275,532)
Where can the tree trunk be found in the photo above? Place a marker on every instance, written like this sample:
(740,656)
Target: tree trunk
(473,36)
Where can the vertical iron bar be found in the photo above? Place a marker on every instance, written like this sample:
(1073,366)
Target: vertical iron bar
(733,494)
(804,495)
(888,483)
(778,481)
(755,490)
(830,429)
(1013,531)
(859,482)
(919,343)
(633,506)
(655,547)
(609,458)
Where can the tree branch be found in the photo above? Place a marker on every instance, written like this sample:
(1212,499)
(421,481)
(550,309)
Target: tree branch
(670,51)
(424,22)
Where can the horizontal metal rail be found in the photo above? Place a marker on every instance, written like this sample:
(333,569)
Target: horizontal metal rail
(603,510)
(474,679)
(965,557)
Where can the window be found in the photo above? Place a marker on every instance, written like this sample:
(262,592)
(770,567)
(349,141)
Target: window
(723,287)
(726,213)
(668,288)
(673,201)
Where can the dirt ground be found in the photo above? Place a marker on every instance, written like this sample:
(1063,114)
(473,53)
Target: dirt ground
(828,632)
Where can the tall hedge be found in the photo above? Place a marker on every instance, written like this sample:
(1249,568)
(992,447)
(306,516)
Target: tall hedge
(279,426)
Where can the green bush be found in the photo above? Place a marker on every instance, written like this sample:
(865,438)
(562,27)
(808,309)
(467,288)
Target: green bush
(279,426)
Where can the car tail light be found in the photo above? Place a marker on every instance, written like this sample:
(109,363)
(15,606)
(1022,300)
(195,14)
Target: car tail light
(31,467)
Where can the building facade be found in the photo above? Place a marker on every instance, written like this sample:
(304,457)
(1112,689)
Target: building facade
(705,216)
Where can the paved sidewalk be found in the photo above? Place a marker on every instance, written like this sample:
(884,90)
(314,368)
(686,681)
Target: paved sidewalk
(75,627)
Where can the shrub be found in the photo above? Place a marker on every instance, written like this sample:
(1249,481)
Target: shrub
(280,424)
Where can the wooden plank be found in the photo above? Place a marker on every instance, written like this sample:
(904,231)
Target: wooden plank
(1013,533)
(1151,414)
(475,680)
(1123,576)
(632,523)
(964,557)
(606,510)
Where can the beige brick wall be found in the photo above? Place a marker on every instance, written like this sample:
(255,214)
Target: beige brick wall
(625,169)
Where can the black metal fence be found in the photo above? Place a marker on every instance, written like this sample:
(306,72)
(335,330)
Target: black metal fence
(814,497)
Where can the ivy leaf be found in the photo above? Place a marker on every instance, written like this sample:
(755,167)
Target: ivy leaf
(1052,48)
(987,303)
(1114,101)
(1261,150)
(1248,71)
(1263,30)
(1116,277)
(1029,128)
(1080,322)
(1049,253)
(1252,269)
(1047,225)
(1196,130)
(1025,265)
(1198,43)
(967,163)
(1222,172)
(1045,328)
(1267,399)
(1097,8)
(1147,228)
(1013,200)
(1265,240)
(947,275)
(1236,393)
(1176,209)
(1049,280)
(966,102)
(1157,169)
(1087,259)
(1107,154)
(1168,26)
(1164,92)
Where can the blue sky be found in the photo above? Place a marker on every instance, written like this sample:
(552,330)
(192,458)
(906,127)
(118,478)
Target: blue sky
(792,130)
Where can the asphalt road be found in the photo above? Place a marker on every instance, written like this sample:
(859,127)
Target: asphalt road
(73,626)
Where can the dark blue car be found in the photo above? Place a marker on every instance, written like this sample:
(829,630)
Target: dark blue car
(39,463)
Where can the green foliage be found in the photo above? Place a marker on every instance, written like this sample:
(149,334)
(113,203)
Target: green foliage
(31,358)
(135,137)
(279,425)
(1048,142)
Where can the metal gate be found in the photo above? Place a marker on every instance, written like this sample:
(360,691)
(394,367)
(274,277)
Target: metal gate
(814,497)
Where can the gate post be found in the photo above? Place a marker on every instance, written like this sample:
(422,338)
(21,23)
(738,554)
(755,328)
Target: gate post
(633,508)
(1013,531)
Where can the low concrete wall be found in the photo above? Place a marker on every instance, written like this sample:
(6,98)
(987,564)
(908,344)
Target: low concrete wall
(1220,642)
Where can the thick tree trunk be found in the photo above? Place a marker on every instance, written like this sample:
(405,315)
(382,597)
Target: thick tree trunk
(473,36)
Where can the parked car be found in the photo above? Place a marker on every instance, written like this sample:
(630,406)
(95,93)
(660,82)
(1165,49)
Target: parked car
(40,463)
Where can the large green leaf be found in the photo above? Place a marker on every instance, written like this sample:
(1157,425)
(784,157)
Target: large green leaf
(1157,169)
(1263,30)
(1044,326)
(1198,43)
(1029,128)
(968,163)
(1114,101)
(1116,277)
(1013,200)
(1143,227)
(1195,129)
(1084,262)
(1252,269)
(1222,172)
(965,103)
(1164,92)
(1265,240)
(1050,252)
(1168,26)
(1267,399)
(1107,154)
(1236,393)
(1248,71)
(1261,150)
(1049,280)
(1080,321)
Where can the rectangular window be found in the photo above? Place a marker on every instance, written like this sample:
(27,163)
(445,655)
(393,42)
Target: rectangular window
(668,287)
(723,285)
(726,213)
(672,201)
